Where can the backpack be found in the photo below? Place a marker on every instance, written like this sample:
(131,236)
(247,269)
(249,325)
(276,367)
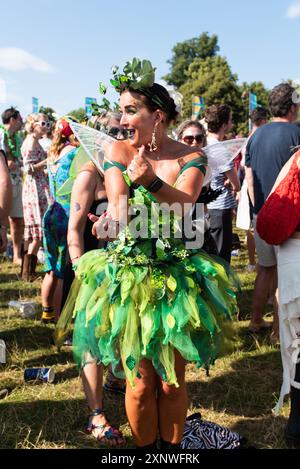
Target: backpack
(278,218)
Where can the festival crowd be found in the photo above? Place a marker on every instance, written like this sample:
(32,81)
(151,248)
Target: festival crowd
(134,301)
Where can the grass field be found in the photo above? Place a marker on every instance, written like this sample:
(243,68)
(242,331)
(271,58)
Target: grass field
(240,392)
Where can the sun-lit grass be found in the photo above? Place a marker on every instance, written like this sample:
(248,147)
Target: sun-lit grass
(240,391)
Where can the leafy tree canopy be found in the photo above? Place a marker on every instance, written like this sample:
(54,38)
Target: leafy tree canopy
(197,70)
(184,53)
(48,111)
(78,114)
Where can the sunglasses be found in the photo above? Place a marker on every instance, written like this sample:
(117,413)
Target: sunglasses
(44,124)
(189,139)
(116,132)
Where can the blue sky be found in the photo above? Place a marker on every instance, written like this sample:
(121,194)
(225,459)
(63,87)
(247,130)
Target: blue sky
(59,50)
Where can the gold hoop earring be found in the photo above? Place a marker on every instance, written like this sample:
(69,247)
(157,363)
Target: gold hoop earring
(153,144)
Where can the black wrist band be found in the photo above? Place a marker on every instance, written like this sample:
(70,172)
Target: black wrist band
(155,185)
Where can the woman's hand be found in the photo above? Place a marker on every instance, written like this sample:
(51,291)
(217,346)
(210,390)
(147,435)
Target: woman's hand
(104,227)
(140,170)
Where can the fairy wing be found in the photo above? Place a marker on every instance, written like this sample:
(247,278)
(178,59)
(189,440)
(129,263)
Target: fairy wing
(80,159)
(94,142)
(221,153)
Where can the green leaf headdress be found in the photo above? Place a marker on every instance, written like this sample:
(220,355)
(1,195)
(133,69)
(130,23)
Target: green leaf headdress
(139,75)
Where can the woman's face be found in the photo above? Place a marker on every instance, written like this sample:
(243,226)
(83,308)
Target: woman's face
(136,119)
(42,127)
(193,137)
(115,129)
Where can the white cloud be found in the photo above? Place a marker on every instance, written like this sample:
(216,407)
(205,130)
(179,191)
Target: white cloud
(293,11)
(15,59)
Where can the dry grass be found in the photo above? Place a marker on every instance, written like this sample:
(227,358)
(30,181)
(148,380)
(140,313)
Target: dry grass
(239,393)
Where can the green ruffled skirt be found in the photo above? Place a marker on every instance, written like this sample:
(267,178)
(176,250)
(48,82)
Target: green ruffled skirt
(147,308)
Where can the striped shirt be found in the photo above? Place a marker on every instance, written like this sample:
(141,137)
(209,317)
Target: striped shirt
(226,199)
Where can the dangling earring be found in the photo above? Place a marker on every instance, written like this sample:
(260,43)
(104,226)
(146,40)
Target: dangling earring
(153,144)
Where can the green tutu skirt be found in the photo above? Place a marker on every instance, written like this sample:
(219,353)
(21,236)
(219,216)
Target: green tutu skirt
(129,306)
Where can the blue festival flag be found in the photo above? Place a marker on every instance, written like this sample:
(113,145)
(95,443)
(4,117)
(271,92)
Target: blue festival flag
(252,101)
(35,105)
(197,106)
(88,107)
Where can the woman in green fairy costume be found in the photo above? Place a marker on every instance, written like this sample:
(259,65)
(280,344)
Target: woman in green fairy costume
(148,304)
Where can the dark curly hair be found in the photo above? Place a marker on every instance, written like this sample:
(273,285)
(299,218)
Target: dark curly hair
(8,114)
(281,99)
(258,115)
(217,115)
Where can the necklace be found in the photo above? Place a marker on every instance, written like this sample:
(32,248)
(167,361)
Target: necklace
(15,146)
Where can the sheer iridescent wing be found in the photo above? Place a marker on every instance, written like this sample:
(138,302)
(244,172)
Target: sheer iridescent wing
(80,159)
(221,153)
(94,143)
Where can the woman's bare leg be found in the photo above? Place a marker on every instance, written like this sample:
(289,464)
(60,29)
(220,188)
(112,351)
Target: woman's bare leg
(173,405)
(33,246)
(251,247)
(92,378)
(141,405)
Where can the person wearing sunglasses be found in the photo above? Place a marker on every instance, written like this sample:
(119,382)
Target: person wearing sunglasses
(192,133)
(109,122)
(36,194)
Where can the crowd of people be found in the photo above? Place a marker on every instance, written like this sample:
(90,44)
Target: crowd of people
(146,305)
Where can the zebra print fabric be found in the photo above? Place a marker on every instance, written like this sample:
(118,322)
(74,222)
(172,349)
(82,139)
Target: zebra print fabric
(199,434)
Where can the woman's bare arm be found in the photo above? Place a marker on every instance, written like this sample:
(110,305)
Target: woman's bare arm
(82,197)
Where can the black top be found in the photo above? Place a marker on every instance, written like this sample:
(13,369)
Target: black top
(268,149)
(90,241)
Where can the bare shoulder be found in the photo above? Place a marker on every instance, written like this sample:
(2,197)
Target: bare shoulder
(190,154)
(120,151)
(66,149)
(89,167)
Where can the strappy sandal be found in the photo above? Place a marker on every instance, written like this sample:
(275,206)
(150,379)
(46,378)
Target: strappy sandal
(105,433)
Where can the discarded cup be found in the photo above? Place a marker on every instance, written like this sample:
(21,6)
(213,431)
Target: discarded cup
(2,351)
(39,374)
(26,308)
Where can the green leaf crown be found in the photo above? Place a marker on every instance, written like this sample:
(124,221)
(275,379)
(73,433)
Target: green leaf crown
(137,74)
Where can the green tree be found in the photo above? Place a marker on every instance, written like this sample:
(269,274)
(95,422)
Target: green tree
(184,54)
(196,69)
(48,111)
(78,114)
(212,79)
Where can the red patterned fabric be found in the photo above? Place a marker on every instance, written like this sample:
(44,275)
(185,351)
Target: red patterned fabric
(280,215)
